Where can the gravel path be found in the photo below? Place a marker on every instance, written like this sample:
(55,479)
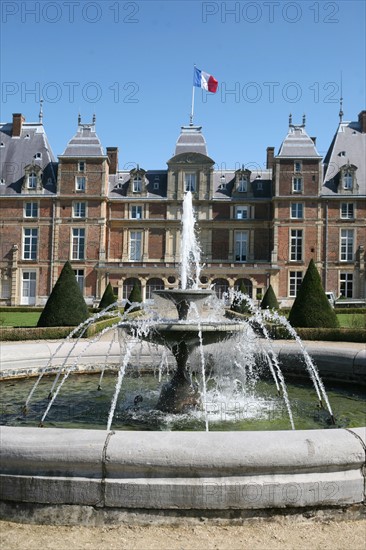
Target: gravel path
(284,534)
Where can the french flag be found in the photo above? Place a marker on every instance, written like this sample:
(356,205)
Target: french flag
(204,80)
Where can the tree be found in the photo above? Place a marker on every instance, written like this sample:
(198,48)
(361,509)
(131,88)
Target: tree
(311,307)
(135,296)
(108,297)
(240,305)
(65,306)
(269,299)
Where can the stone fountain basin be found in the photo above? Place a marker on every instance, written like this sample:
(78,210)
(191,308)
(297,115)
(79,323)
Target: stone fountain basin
(81,475)
(192,334)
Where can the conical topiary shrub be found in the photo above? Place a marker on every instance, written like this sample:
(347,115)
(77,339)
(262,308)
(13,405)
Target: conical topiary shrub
(311,307)
(108,297)
(240,305)
(135,296)
(269,299)
(65,306)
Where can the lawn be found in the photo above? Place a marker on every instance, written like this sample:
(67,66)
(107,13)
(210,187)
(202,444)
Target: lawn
(352,320)
(30,318)
(19,318)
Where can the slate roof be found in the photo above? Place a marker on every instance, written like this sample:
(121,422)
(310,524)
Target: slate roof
(119,184)
(260,185)
(348,147)
(297,144)
(18,152)
(191,140)
(85,143)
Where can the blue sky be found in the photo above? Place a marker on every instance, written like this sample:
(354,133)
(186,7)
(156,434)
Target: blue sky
(131,63)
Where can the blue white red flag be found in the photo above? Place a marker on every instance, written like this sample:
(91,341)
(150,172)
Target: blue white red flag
(204,80)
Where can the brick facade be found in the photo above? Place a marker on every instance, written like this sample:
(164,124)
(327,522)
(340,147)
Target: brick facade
(117,226)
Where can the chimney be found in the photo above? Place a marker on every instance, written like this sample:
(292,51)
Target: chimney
(112,153)
(18,120)
(270,157)
(362,121)
(313,139)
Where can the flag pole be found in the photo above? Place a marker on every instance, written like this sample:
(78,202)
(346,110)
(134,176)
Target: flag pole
(192,108)
(192,103)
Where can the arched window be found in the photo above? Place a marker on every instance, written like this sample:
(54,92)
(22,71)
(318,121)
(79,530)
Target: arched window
(152,285)
(220,286)
(128,286)
(247,284)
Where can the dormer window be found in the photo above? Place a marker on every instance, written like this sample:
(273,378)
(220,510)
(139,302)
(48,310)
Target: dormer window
(243,184)
(2,144)
(190,181)
(38,156)
(342,153)
(2,181)
(137,185)
(297,167)
(222,185)
(347,179)
(32,180)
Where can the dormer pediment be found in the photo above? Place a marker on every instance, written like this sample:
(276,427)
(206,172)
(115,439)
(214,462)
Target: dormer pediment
(191,159)
(32,181)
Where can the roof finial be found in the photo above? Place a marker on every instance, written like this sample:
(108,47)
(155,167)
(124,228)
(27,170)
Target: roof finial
(290,120)
(303,120)
(40,116)
(341,102)
(79,118)
(94,118)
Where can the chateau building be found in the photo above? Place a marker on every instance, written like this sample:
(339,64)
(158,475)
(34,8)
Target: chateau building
(119,226)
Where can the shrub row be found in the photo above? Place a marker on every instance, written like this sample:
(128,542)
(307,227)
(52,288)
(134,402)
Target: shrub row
(33,333)
(20,309)
(321,334)
(350,310)
(97,327)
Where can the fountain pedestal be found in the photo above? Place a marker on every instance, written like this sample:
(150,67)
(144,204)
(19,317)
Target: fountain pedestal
(180,393)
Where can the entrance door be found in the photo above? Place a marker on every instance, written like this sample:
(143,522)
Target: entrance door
(29,288)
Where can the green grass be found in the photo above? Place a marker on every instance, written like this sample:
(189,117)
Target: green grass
(352,320)
(19,318)
(30,319)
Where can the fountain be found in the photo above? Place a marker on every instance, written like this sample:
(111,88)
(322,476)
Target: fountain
(195,471)
(183,336)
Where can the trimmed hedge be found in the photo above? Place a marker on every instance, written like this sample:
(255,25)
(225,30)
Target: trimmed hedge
(12,334)
(20,309)
(311,307)
(278,332)
(270,300)
(97,327)
(65,305)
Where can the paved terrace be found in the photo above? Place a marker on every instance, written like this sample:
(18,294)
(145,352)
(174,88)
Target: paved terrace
(335,360)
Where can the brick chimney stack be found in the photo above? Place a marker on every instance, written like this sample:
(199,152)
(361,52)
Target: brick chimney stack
(270,157)
(112,154)
(18,120)
(362,121)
